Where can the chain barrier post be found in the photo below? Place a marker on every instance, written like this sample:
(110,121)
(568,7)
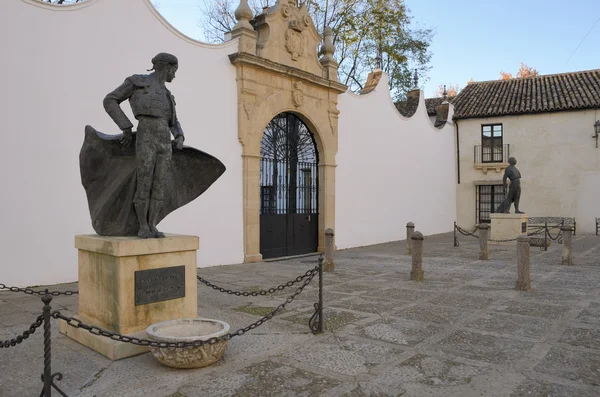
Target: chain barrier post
(483,241)
(320,329)
(410,229)
(47,376)
(417,257)
(567,252)
(523,256)
(329,265)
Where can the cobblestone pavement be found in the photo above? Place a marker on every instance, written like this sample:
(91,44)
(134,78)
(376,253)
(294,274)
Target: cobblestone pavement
(464,331)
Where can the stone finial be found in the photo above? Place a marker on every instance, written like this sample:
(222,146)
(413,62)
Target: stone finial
(327,60)
(243,14)
(243,30)
(410,224)
(328,49)
(416,80)
(445,95)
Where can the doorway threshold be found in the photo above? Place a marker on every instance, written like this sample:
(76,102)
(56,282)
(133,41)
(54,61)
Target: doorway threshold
(286,258)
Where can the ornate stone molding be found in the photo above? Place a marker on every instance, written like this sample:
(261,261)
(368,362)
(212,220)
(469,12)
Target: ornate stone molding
(249,59)
(297,94)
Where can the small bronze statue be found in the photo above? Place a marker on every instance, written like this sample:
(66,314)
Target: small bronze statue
(131,188)
(514,189)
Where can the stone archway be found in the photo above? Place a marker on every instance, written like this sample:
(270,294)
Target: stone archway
(278,71)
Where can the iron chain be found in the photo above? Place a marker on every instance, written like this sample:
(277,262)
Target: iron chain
(75,323)
(32,292)
(13,342)
(466,233)
(256,293)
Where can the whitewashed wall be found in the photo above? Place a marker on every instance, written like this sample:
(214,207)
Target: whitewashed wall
(60,62)
(57,64)
(391,170)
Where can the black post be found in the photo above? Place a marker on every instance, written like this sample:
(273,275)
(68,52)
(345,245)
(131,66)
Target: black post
(47,376)
(320,329)
(574,227)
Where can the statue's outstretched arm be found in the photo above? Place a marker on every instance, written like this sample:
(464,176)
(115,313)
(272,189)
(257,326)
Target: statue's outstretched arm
(113,100)
(176,130)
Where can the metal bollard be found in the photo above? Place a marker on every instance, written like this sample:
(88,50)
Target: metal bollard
(523,256)
(483,241)
(417,257)
(567,252)
(329,265)
(410,229)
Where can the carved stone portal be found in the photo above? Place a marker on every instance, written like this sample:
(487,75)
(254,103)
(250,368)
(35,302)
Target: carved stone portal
(286,75)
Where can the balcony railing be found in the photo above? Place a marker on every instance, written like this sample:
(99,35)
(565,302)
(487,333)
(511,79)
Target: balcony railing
(491,154)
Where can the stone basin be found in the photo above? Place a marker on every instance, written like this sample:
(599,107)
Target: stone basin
(188,330)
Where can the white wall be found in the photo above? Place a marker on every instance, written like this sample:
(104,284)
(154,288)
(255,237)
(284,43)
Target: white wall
(58,63)
(391,170)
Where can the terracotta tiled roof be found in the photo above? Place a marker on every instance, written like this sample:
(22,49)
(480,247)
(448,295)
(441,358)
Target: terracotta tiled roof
(408,107)
(539,94)
(433,103)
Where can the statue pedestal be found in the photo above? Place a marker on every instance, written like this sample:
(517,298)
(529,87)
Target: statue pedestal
(128,283)
(507,227)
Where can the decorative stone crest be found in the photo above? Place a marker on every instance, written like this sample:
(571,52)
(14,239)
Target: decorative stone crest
(294,43)
(294,40)
(297,94)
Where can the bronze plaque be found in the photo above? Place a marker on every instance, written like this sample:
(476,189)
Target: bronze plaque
(523,227)
(156,285)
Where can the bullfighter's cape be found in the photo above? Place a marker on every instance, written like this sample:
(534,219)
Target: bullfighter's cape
(108,175)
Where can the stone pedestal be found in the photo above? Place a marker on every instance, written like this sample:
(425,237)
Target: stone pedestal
(128,283)
(507,227)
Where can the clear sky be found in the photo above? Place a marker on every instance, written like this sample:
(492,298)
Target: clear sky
(479,38)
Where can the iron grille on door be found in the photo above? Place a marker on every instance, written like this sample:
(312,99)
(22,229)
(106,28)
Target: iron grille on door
(489,197)
(289,188)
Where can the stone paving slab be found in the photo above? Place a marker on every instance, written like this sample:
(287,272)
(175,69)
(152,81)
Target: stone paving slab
(464,331)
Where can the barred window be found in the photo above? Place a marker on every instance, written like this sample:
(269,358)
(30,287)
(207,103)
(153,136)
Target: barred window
(489,197)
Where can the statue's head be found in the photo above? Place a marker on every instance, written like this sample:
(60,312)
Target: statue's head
(512,161)
(166,65)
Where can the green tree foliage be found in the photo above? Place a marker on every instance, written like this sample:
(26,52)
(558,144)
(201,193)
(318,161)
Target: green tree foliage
(368,34)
